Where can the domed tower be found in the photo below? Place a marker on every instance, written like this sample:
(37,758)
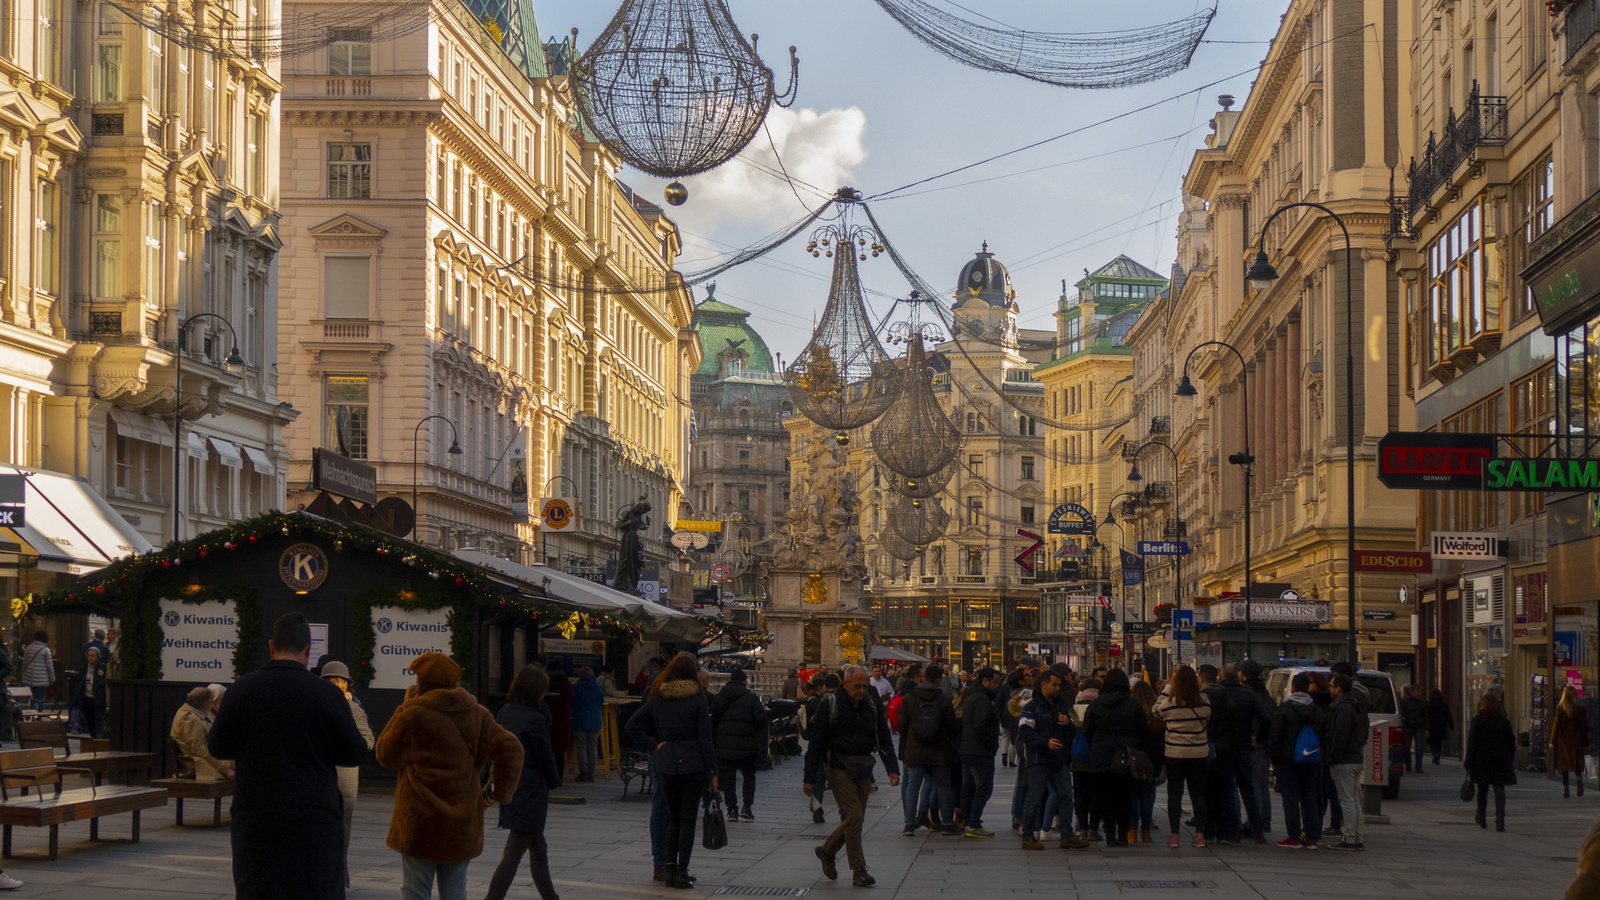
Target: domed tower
(985,303)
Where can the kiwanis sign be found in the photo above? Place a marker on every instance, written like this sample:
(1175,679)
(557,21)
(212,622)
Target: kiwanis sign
(400,636)
(1553,475)
(198,640)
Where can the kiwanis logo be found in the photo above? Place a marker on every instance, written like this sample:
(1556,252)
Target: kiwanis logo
(303,567)
(171,618)
(384,626)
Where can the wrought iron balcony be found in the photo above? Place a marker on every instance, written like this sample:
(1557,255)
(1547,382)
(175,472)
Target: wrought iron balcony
(1583,20)
(1482,123)
(1160,424)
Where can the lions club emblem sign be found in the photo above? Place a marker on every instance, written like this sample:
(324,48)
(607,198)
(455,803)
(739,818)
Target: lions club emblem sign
(303,567)
(558,513)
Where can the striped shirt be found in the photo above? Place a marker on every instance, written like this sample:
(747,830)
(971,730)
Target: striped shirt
(1187,736)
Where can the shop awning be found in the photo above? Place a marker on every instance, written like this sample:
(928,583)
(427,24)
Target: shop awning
(228,453)
(580,592)
(894,654)
(140,427)
(258,460)
(196,445)
(70,527)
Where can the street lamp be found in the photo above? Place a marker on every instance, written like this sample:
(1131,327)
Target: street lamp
(1121,548)
(234,364)
(1244,460)
(455,450)
(1262,275)
(1134,476)
(1144,597)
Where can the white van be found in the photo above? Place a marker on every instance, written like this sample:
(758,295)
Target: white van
(1383,713)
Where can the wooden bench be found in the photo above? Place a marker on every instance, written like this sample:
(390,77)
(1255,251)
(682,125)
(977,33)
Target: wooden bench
(213,789)
(48,733)
(37,768)
(22,695)
(636,765)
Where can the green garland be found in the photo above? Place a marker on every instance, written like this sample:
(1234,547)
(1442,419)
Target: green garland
(143,635)
(460,619)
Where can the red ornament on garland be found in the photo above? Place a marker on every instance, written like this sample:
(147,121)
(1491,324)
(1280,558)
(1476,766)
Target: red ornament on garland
(202,554)
(166,564)
(460,580)
(252,539)
(100,589)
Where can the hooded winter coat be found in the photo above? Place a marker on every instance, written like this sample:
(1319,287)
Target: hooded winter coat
(1294,713)
(1113,720)
(675,726)
(1347,738)
(587,697)
(980,726)
(1491,750)
(531,803)
(739,722)
(937,751)
(440,741)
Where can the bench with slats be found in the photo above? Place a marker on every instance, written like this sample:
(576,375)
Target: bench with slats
(36,768)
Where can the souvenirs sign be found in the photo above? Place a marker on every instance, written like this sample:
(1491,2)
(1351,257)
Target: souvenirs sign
(1521,474)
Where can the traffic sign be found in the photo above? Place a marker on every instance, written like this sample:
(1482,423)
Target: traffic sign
(1164,548)
(719,572)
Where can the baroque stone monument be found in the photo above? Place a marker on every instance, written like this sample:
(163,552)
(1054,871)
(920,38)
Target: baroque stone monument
(817,573)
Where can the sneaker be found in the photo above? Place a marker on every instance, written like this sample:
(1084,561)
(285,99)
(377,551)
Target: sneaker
(862,879)
(747,814)
(1307,845)
(1073,843)
(7,883)
(1341,845)
(829,870)
(909,831)
(733,816)
(818,817)
(1031,844)
(1290,843)
(978,832)
(952,830)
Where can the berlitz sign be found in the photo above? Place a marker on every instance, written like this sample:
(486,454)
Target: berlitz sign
(1465,545)
(198,640)
(400,636)
(1430,460)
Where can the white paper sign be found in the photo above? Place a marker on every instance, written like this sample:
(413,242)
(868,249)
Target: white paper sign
(198,640)
(400,636)
(319,641)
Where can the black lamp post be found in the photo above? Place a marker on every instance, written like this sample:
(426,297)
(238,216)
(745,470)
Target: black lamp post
(1134,476)
(1144,602)
(234,363)
(1262,276)
(1244,460)
(455,450)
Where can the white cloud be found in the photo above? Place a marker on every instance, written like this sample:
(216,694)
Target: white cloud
(820,149)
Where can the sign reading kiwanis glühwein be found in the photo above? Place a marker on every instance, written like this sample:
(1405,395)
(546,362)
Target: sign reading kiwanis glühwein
(1541,475)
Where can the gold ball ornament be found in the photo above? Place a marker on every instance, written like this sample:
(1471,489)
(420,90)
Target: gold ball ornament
(676,193)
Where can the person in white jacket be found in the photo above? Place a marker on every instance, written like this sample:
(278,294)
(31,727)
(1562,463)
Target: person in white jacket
(38,668)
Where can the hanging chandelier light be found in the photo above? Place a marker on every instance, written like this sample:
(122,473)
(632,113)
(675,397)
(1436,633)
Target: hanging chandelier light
(918,523)
(915,438)
(674,88)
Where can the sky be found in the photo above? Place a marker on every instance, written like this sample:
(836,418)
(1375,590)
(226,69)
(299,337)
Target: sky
(877,110)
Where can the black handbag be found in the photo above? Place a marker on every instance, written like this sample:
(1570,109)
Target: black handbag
(714,827)
(1468,791)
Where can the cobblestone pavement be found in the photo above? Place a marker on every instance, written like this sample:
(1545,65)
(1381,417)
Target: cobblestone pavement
(601,849)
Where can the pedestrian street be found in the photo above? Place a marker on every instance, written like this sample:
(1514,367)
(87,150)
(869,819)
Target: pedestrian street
(601,850)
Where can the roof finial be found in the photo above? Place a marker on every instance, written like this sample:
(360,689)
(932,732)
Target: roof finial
(986,246)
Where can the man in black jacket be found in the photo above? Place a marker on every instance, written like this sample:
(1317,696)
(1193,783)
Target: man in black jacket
(1046,730)
(821,687)
(980,738)
(927,724)
(1249,720)
(287,730)
(1250,677)
(1218,780)
(847,729)
(1299,776)
(1346,752)
(739,728)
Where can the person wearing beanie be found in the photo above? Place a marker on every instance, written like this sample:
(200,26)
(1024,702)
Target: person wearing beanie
(739,729)
(440,739)
(1250,676)
(349,776)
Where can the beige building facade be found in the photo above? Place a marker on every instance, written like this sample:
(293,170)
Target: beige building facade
(461,248)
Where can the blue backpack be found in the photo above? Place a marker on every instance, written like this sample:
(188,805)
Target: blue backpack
(1080,747)
(1307,748)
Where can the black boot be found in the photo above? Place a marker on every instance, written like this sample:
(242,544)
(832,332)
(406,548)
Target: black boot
(1482,822)
(661,873)
(677,878)
(1499,823)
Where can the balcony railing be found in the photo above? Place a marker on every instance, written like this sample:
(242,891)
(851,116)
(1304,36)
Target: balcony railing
(1161,425)
(1583,20)
(1482,123)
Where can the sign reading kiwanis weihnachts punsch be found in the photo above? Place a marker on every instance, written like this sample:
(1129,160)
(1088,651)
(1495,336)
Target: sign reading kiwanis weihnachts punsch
(1552,475)
(198,640)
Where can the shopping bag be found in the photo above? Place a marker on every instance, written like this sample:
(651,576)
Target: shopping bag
(714,827)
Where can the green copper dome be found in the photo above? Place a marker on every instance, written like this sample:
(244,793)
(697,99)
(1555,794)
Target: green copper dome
(731,346)
(518,32)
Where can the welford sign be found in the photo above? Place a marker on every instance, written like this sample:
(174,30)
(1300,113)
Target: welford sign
(1465,545)
(400,636)
(1273,612)
(198,640)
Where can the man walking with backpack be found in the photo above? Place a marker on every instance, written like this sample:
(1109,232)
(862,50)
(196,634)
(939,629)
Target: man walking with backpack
(927,723)
(1299,731)
(1045,729)
(847,728)
(980,738)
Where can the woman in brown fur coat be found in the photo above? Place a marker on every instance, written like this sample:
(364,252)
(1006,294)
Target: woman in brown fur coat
(440,738)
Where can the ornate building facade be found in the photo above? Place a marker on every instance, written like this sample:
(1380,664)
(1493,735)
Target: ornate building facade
(462,248)
(139,190)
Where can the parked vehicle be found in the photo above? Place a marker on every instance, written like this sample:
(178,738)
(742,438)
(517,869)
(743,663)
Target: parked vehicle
(1383,711)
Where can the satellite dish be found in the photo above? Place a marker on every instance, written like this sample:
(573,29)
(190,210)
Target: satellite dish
(399,512)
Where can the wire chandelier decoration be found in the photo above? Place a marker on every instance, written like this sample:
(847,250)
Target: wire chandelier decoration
(915,438)
(843,378)
(1108,59)
(674,88)
(917,522)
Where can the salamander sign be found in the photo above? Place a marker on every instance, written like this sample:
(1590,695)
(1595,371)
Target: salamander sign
(1542,475)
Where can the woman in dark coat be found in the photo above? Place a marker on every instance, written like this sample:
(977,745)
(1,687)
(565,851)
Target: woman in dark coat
(89,694)
(1491,758)
(1114,720)
(560,703)
(527,717)
(675,722)
(1440,723)
(1569,737)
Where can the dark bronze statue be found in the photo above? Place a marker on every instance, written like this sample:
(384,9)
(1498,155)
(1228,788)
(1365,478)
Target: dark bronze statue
(631,558)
